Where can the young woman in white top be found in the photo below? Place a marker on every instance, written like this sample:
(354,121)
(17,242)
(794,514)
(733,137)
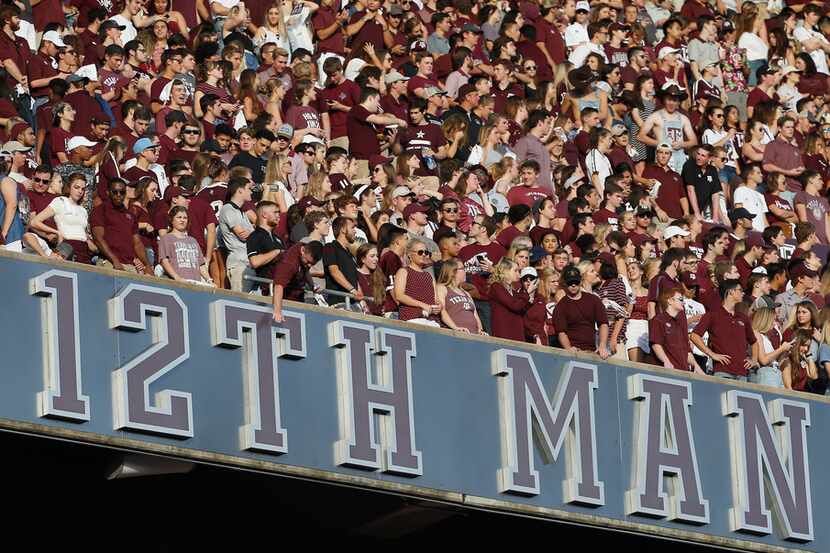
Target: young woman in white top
(296,14)
(752,36)
(71,219)
(273,29)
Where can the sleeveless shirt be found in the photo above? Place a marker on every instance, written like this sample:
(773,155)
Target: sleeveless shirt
(420,286)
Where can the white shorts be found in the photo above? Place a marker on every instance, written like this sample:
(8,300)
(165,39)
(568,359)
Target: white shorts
(637,335)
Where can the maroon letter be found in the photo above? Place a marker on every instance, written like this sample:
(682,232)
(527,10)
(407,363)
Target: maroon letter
(523,405)
(61,397)
(252,328)
(172,414)
(667,479)
(769,452)
(361,397)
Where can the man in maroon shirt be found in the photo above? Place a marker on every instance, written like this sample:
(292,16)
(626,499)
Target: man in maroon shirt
(613,200)
(549,39)
(768,78)
(40,197)
(527,192)
(520,217)
(337,99)
(369,26)
(424,78)
(579,315)
(115,231)
(43,66)
(146,152)
(80,97)
(361,132)
(328,27)
(671,194)
(730,335)
(291,273)
(668,334)
(667,279)
(14,50)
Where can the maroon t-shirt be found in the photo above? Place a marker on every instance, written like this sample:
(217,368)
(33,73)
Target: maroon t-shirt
(538,232)
(290,273)
(41,67)
(779,202)
(134,173)
(214,196)
(371,32)
(303,117)
(347,93)
(728,334)
(658,285)
(527,195)
(550,35)
(506,237)
(579,319)
(472,255)
(671,189)
(422,136)
(417,82)
(58,138)
(323,18)
(756,96)
(16,50)
(363,141)
(86,107)
(606,217)
(389,264)
(673,336)
(120,226)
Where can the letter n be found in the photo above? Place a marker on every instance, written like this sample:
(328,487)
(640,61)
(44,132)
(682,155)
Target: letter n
(769,451)
(523,404)
(666,476)
(377,424)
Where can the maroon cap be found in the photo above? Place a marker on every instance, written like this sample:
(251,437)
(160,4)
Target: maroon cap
(17,129)
(689,279)
(307,201)
(378,159)
(754,240)
(466,89)
(413,208)
(176,191)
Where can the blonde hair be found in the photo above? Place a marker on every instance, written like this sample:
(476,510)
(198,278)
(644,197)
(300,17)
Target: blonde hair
(762,319)
(601,232)
(500,270)
(584,267)
(544,276)
(448,270)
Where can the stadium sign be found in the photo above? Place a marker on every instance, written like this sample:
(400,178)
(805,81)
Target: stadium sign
(485,423)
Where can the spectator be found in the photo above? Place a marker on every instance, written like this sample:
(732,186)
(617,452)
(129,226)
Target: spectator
(579,317)
(509,300)
(415,287)
(180,254)
(235,228)
(70,220)
(669,334)
(115,232)
(799,369)
(291,273)
(262,245)
(340,266)
(459,312)
(668,279)
(812,207)
(769,356)
(612,292)
(730,335)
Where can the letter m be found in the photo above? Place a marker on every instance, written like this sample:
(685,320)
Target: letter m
(569,419)
(769,450)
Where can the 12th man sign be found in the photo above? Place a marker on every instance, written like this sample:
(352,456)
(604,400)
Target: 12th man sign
(485,423)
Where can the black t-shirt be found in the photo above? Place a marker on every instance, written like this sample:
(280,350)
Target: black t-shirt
(705,181)
(335,254)
(261,241)
(255,164)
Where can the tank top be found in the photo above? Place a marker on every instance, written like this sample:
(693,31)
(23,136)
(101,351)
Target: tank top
(420,286)
(640,311)
(16,229)
(462,311)
(672,131)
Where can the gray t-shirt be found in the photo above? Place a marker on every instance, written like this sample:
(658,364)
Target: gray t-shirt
(230,216)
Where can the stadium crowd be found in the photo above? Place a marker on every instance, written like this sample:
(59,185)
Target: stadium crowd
(645,179)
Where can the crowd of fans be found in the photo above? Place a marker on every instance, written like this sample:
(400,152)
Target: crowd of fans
(645,179)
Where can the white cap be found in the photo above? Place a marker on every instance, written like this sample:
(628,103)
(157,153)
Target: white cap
(77,141)
(88,71)
(54,38)
(528,271)
(311,139)
(666,50)
(673,231)
(583,5)
(401,191)
(787,69)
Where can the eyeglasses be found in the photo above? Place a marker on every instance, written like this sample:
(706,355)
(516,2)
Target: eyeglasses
(530,68)
(420,252)
(451,210)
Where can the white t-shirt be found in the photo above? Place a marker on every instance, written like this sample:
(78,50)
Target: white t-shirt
(575,34)
(130,32)
(577,57)
(296,26)
(711,136)
(756,49)
(754,202)
(597,162)
(803,34)
(71,219)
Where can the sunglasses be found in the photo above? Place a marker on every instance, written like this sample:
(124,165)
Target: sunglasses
(42,181)
(528,278)
(420,252)
(451,210)
(118,191)
(191,131)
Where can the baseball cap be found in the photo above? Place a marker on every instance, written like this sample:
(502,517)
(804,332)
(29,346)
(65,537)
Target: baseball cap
(395,9)
(740,213)
(394,76)
(765,69)
(286,131)
(470,28)
(787,69)
(74,78)
(528,271)
(211,146)
(571,275)
(311,139)
(413,208)
(112,24)
(537,253)
(618,130)
(54,38)
(14,146)
(754,240)
(18,128)
(664,146)
(78,141)
(643,211)
(378,159)
(142,144)
(618,27)
(583,6)
(431,91)
(672,231)
(402,191)
(665,51)
(176,191)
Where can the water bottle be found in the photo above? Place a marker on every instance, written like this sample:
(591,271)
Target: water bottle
(429,161)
